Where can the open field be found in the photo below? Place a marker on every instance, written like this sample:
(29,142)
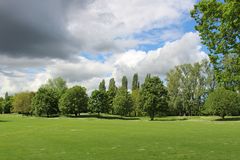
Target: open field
(31,138)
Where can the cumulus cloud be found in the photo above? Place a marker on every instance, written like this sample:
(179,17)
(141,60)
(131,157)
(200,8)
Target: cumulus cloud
(160,61)
(89,73)
(62,29)
(45,39)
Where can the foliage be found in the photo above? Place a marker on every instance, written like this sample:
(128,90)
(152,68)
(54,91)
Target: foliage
(1,105)
(112,91)
(22,102)
(188,86)
(58,85)
(222,102)
(125,82)
(136,103)
(153,96)
(135,82)
(7,103)
(74,101)
(45,102)
(218,23)
(102,86)
(136,96)
(98,102)
(122,103)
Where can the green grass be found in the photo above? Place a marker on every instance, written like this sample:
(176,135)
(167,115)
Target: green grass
(169,138)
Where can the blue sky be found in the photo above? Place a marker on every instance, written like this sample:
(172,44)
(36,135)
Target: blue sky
(87,41)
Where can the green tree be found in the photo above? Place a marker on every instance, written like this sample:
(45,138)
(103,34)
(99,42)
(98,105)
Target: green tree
(136,103)
(222,102)
(153,96)
(188,87)
(1,105)
(98,102)
(124,82)
(45,102)
(22,102)
(136,95)
(112,91)
(135,82)
(123,102)
(218,23)
(58,85)
(7,103)
(102,86)
(74,101)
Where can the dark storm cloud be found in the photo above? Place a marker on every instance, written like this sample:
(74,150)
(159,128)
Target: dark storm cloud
(33,28)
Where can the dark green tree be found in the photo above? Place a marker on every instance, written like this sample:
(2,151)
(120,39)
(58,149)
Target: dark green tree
(45,102)
(98,102)
(218,23)
(136,95)
(124,82)
(1,105)
(153,96)
(74,101)
(7,103)
(123,103)
(222,102)
(112,91)
(102,86)
(135,82)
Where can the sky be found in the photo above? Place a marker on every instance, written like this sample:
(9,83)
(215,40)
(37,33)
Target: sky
(85,41)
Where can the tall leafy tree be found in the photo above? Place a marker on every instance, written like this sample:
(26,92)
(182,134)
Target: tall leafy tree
(136,95)
(135,82)
(22,102)
(222,102)
(218,24)
(124,82)
(153,96)
(1,105)
(45,102)
(102,86)
(123,102)
(7,103)
(98,102)
(74,101)
(188,87)
(112,91)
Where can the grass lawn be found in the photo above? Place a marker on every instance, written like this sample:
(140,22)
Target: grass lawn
(31,138)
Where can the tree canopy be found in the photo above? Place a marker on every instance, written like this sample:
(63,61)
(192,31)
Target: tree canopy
(74,101)
(98,102)
(222,102)
(153,96)
(122,103)
(22,102)
(218,24)
(45,102)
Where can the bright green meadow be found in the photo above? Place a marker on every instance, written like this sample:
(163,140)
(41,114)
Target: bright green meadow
(171,138)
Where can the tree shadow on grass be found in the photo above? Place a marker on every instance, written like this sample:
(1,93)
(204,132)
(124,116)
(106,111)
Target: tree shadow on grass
(104,117)
(171,119)
(4,121)
(228,119)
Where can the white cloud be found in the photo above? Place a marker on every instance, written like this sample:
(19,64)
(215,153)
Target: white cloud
(110,25)
(90,72)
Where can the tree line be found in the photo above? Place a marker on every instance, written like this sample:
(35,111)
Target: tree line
(189,90)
